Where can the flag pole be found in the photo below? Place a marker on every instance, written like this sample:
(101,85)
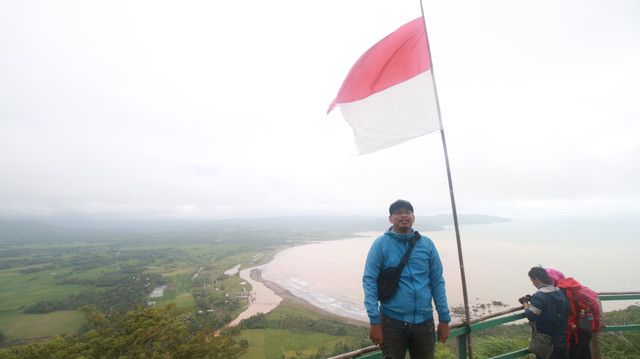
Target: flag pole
(453,202)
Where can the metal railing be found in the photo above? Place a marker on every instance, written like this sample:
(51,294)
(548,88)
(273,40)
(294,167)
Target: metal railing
(460,331)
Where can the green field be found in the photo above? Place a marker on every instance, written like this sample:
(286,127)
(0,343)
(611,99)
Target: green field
(291,332)
(29,284)
(278,343)
(18,326)
(47,272)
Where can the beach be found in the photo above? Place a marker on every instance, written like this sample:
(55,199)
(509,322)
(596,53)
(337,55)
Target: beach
(265,296)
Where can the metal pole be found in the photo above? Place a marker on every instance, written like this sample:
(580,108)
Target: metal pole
(453,203)
(459,245)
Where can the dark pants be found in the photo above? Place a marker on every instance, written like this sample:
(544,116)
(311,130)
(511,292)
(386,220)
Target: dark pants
(580,348)
(419,339)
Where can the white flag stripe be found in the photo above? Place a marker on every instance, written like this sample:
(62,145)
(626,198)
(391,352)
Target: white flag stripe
(395,115)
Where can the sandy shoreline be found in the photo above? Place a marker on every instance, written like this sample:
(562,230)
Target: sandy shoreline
(291,300)
(263,302)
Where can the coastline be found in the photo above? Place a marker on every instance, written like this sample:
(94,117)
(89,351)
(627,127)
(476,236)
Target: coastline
(285,298)
(315,303)
(290,300)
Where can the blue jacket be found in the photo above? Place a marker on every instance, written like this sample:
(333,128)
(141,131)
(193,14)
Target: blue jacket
(420,283)
(548,313)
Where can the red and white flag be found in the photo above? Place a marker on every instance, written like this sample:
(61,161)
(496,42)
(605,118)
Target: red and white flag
(388,97)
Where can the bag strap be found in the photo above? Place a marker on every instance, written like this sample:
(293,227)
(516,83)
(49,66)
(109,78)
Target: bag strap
(412,244)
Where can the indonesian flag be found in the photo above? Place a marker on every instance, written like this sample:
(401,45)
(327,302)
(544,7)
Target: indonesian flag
(388,97)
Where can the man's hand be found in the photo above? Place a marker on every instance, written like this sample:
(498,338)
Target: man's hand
(375,334)
(443,331)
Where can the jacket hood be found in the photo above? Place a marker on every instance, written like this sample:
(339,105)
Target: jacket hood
(548,289)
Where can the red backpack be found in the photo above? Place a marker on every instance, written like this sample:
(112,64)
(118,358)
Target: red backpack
(586,312)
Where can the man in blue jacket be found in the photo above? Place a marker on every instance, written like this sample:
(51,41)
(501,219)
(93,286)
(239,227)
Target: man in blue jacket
(405,320)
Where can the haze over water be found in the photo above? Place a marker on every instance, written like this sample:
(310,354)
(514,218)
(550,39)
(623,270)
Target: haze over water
(601,253)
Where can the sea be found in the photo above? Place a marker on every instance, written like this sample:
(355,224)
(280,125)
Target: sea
(601,252)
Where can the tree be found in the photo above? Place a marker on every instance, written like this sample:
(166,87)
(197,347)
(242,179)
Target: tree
(161,333)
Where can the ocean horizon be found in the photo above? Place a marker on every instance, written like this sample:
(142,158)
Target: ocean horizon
(600,253)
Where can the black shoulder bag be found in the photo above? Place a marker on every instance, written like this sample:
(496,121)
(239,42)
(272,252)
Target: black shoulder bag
(388,278)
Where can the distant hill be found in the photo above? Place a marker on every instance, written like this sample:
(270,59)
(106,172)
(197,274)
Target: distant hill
(447,219)
(36,231)
(95,230)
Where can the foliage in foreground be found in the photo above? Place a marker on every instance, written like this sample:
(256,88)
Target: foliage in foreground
(489,347)
(291,333)
(168,333)
(279,327)
(302,335)
(623,345)
(613,345)
(143,333)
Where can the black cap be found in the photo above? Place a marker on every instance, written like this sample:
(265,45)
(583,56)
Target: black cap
(401,203)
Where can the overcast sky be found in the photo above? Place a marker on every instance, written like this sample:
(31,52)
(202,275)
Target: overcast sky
(217,109)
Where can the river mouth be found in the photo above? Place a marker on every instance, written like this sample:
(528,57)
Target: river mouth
(261,299)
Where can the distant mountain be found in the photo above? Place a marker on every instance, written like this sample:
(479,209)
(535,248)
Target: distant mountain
(96,230)
(447,219)
(26,231)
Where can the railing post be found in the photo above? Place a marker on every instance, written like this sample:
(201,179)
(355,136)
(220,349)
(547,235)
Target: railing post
(462,346)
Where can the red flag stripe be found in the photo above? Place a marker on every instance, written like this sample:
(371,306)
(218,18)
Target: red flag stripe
(398,57)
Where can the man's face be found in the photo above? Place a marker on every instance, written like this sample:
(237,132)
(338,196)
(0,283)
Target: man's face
(402,220)
(535,282)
